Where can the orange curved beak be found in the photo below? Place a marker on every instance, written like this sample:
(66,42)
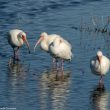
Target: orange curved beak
(26,41)
(99,58)
(40,39)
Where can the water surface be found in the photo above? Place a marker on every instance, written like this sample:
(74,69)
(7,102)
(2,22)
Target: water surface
(25,85)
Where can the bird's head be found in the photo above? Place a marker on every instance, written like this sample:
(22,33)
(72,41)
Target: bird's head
(42,36)
(99,56)
(22,36)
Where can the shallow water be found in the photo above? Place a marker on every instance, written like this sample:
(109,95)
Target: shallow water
(27,84)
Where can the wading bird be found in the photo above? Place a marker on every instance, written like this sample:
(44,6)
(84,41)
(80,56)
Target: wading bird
(16,38)
(45,40)
(56,46)
(100,65)
(61,49)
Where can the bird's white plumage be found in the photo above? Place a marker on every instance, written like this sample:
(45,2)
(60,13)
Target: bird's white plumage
(16,38)
(102,67)
(61,48)
(47,40)
(55,45)
(13,39)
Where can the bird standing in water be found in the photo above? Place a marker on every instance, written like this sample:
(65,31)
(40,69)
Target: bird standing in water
(61,49)
(56,46)
(100,65)
(16,38)
(45,40)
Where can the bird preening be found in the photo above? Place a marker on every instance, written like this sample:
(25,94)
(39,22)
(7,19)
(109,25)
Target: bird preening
(100,65)
(16,38)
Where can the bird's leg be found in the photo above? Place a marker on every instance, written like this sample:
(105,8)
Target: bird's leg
(54,63)
(101,81)
(10,63)
(16,53)
(57,68)
(15,57)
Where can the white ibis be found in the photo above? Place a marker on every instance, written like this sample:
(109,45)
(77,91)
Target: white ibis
(100,65)
(16,38)
(56,46)
(45,40)
(61,49)
(49,44)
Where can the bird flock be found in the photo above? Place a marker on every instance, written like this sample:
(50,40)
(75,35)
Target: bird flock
(59,49)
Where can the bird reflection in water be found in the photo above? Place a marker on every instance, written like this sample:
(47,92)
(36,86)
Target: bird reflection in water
(100,98)
(16,81)
(54,94)
(54,75)
(15,66)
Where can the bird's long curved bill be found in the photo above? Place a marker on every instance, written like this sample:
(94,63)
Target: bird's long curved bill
(37,43)
(26,41)
(99,58)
